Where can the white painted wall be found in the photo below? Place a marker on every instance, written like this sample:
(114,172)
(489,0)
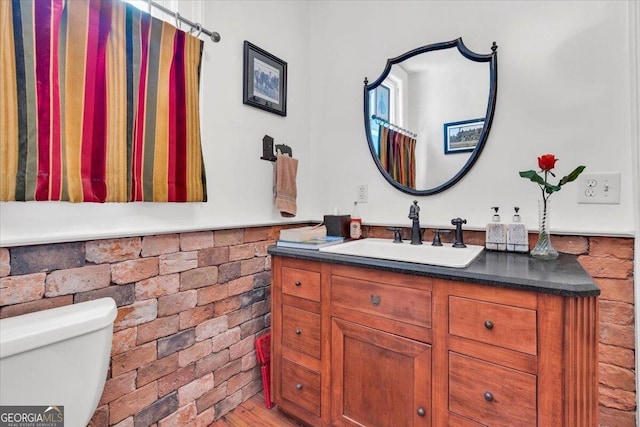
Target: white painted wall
(564,88)
(239,183)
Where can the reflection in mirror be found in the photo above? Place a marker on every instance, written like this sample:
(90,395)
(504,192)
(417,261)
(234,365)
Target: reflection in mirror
(428,115)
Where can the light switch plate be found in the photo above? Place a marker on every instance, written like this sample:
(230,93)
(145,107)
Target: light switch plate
(601,188)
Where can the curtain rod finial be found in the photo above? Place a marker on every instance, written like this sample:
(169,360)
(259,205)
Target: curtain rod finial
(215,36)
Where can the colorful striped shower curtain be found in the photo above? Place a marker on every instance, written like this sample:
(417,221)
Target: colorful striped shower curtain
(398,156)
(99,103)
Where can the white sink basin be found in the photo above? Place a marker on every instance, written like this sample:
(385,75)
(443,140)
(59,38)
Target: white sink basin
(445,256)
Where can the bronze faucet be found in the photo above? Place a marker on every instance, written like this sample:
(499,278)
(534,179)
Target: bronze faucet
(414,214)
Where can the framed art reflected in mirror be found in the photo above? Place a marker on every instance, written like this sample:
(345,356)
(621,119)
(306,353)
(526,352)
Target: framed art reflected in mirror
(264,80)
(462,136)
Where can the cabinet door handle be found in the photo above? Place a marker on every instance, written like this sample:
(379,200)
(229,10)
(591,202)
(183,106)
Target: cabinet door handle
(488,396)
(421,412)
(298,386)
(298,331)
(298,283)
(488,324)
(375,300)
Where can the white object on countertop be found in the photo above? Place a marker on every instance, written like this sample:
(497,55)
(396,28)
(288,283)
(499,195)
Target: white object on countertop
(517,235)
(496,236)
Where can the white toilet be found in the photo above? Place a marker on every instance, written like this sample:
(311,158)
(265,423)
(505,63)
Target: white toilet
(58,357)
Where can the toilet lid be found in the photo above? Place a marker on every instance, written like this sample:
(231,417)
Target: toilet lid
(29,331)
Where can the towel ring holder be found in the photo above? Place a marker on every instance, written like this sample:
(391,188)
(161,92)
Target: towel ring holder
(268,147)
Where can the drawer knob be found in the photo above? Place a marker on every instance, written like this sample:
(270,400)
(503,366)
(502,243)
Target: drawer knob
(488,324)
(375,300)
(298,331)
(298,386)
(421,412)
(488,396)
(298,283)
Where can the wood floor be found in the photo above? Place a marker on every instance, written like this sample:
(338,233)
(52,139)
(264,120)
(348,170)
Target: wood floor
(253,413)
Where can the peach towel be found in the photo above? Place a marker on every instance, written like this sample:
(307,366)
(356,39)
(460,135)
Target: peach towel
(284,185)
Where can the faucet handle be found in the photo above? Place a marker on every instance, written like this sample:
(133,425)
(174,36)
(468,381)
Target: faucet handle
(459,243)
(458,221)
(397,234)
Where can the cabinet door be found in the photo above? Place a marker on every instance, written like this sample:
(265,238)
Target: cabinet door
(379,379)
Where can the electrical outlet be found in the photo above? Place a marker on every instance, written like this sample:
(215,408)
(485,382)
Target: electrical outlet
(363,194)
(601,188)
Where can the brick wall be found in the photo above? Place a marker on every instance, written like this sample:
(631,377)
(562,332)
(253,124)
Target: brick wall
(191,304)
(189,308)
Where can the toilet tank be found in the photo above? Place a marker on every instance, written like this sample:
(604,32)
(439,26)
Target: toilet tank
(58,357)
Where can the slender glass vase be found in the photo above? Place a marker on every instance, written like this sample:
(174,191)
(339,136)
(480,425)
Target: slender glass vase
(544,249)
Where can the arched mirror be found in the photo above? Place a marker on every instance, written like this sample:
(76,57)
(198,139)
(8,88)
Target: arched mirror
(427,117)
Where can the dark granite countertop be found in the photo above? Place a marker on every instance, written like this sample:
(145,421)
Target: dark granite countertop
(564,276)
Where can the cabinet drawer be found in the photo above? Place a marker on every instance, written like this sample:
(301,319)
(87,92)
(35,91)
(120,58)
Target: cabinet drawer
(497,324)
(301,386)
(301,283)
(389,301)
(491,394)
(301,330)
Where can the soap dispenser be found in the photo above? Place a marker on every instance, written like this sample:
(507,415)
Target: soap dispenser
(496,238)
(355,223)
(517,234)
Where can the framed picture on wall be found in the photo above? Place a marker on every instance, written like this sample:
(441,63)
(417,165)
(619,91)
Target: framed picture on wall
(463,136)
(265,80)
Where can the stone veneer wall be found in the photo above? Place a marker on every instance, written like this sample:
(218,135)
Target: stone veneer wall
(190,306)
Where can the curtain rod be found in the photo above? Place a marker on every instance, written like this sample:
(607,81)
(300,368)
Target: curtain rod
(215,36)
(382,121)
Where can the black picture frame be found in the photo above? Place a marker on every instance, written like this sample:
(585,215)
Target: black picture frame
(265,80)
(462,136)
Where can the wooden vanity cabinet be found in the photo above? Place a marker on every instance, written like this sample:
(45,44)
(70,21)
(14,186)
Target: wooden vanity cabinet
(381,351)
(359,347)
(514,358)
(300,339)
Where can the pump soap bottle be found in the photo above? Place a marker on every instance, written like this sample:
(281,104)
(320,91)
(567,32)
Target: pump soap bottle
(496,238)
(517,235)
(355,224)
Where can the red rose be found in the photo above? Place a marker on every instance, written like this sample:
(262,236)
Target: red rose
(546,162)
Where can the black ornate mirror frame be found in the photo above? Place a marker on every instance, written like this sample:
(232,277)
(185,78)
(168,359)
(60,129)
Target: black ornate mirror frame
(492,58)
